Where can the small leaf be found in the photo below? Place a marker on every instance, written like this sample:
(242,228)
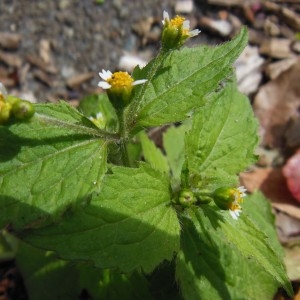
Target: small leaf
(129,225)
(182,81)
(54,161)
(93,105)
(220,255)
(223,139)
(152,154)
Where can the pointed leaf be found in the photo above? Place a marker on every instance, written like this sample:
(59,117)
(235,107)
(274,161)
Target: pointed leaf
(48,164)
(223,138)
(220,255)
(182,81)
(130,224)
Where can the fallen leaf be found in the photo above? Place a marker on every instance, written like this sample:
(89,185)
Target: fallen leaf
(276,103)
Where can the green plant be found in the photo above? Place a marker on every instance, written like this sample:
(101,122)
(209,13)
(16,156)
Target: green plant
(88,196)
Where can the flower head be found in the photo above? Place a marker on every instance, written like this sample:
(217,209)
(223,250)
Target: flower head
(230,199)
(119,87)
(176,31)
(119,80)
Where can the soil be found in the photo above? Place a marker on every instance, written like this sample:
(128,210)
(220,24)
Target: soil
(84,37)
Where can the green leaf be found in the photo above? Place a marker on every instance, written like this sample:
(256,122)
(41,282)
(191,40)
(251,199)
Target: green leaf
(48,164)
(130,224)
(98,106)
(220,255)
(46,271)
(222,140)
(183,79)
(152,154)
(173,140)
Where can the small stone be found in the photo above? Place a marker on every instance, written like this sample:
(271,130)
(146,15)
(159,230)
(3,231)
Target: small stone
(296,46)
(184,6)
(128,62)
(223,27)
(277,48)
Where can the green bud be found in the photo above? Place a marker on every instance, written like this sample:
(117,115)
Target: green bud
(12,99)
(229,198)
(175,32)
(22,110)
(187,198)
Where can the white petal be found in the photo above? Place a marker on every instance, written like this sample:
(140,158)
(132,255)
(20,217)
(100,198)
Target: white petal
(194,32)
(141,81)
(242,190)
(2,89)
(186,24)
(99,115)
(105,74)
(105,85)
(235,213)
(165,17)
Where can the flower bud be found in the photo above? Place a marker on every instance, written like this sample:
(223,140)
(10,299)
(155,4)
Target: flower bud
(187,198)
(175,31)
(119,86)
(22,109)
(230,199)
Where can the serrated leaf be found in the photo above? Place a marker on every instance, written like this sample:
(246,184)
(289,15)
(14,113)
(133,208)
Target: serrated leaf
(152,154)
(220,256)
(223,139)
(182,81)
(129,225)
(48,164)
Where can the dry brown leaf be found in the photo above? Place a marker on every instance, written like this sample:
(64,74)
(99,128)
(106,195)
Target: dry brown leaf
(276,103)
(273,185)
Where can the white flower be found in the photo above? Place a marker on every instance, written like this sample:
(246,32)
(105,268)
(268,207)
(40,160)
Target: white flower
(235,208)
(235,213)
(117,79)
(178,21)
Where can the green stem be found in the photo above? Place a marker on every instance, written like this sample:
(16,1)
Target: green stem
(123,138)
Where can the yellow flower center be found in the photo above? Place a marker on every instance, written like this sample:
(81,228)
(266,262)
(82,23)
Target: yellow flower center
(237,195)
(234,206)
(120,80)
(177,21)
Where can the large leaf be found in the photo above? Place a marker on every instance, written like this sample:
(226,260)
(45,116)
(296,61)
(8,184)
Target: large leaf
(222,140)
(45,278)
(130,224)
(48,164)
(222,258)
(181,81)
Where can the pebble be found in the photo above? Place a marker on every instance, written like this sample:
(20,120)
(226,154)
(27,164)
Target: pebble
(184,6)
